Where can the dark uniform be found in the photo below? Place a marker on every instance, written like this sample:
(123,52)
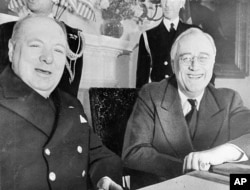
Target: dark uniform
(47,143)
(160,41)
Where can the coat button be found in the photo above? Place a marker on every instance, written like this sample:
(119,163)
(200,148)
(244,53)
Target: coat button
(166,76)
(47,151)
(79,149)
(52,176)
(165,63)
(83,173)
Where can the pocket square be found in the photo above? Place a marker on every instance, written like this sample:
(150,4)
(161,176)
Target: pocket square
(82,119)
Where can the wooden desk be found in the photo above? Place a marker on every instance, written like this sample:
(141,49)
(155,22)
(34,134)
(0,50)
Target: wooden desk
(196,180)
(216,179)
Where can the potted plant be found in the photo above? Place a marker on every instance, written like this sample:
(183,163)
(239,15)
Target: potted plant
(113,14)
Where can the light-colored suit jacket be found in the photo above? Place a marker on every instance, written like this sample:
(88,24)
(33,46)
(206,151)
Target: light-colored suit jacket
(157,137)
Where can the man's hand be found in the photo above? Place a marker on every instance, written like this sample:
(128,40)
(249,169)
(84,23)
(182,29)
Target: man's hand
(106,183)
(204,159)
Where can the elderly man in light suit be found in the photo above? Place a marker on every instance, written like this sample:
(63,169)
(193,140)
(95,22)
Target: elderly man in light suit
(45,140)
(166,135)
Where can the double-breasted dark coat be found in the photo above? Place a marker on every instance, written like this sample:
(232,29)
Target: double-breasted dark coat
(43,147)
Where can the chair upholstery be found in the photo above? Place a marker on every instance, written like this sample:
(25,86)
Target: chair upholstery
(110,110)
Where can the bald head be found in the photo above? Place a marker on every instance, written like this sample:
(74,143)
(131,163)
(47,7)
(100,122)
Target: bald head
(31,21)
(37,51)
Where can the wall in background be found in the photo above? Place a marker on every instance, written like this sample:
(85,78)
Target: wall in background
(240,85)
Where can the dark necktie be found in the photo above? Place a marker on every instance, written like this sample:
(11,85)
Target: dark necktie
(191,117)
(172,30)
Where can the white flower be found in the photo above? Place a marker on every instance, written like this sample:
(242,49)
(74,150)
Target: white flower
(104,4)
(137,10)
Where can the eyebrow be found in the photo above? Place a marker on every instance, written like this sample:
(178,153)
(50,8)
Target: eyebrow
(203,53)
(38,40)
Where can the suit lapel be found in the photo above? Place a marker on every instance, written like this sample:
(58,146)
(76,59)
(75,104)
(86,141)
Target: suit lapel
(173,122)
(210,120)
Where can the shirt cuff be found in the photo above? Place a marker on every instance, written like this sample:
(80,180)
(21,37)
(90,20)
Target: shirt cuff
(243,156)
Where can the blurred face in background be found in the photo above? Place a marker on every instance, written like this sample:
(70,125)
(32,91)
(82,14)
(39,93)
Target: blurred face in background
(171,8)
(40,7)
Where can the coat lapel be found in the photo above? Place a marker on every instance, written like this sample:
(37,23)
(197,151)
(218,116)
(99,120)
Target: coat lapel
(69,121)
(23,100)
(210,121)
(173,122)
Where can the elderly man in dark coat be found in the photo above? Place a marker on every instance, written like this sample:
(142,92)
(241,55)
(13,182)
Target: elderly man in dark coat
(45,140)
(184,123)
(71,78)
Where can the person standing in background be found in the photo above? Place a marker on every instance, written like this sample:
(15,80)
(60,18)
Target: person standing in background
(70,80)
(155,44)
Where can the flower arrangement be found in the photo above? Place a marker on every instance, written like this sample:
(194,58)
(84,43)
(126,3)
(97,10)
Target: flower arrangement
(136,10)
(117,9)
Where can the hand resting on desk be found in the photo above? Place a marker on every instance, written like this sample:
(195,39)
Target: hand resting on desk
(204,159)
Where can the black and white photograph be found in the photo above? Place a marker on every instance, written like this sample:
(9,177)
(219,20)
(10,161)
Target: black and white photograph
(124,94)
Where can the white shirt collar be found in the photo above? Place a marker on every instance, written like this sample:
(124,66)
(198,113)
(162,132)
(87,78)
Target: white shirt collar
(167,23)
(186,107)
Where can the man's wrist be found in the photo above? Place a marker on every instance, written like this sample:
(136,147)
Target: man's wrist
(229,153)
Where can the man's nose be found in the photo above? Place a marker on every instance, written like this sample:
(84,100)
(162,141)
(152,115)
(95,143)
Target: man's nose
(194,65)
(46,57)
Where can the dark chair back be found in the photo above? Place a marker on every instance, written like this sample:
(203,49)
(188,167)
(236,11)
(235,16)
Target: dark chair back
(110,110)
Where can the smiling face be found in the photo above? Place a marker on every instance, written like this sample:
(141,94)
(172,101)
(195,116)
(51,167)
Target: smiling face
(171,8)
(193,78)
(38,55)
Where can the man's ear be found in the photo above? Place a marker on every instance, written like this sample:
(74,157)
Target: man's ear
(173,65)
(11,50)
